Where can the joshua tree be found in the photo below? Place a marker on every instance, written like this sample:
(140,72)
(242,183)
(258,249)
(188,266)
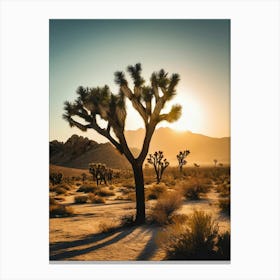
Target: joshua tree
(159,163)
(196,165)
(215,162)
(181,158)
(55,178)
(97,103)
(98,172)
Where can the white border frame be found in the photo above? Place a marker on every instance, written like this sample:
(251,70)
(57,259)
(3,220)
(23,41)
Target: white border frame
(254,131)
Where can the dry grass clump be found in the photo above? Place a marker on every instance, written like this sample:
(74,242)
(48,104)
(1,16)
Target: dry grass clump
(96,199)
(193,190)
(106,227)
(155,191)
(223,190)
(60,188)
(60,211)
(127,220)
(104,192)
(166,206)
(80,199)
(196,238)
(88,188)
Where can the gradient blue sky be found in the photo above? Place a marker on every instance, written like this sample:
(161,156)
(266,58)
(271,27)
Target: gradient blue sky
(88,52)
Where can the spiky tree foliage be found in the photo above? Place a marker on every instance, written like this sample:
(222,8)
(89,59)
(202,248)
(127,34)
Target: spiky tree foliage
(181,158)
(215,162)
(55,178)
(159,162)
(147,99)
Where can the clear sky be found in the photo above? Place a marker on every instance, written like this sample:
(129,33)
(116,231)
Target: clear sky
(88,52)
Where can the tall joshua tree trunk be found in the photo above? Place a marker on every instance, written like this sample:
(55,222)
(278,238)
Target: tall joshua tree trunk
(140,194)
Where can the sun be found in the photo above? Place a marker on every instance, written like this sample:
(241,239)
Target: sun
(192,113)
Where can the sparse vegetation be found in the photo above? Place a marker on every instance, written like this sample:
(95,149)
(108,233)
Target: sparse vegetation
(166,206)
(80,199)
(197,238)
(155,191)
(104,192)
(56,178)
(87,188)
(60,211)
(96,199)
(224,205)
(193,190)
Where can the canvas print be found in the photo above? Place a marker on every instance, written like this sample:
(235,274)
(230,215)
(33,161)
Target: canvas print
(139,165)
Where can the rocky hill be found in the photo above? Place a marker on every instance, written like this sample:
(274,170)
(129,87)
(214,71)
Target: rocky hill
(78,152)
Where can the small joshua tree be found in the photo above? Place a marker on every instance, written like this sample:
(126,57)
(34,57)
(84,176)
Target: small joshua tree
(196,165)
(98,172)
(55,178)
(159,163)
(215,162)
(181,158)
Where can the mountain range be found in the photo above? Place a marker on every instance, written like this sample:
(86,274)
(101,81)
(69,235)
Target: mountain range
(78,151)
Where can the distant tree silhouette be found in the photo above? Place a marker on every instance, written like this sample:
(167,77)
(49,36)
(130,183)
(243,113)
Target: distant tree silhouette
(220,164)
(98,103)
(181,158)
(196,165)
(215,162)
(98,171)
(159,162)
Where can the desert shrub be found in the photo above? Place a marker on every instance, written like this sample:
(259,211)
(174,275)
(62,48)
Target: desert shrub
(87,188)
(224,205)
(155,191)
(52,201)
(78,184)
(166,206)
(55,178)
(104,192)
(95,199)
(59,211)
(193,190)
(223,245)
(59,190)
(111,188)
(223,190)
(195,239)
(106,227)
(80,199)
(127,220)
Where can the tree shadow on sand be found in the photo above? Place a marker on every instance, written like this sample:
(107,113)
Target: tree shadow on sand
(56,247)
(150,248)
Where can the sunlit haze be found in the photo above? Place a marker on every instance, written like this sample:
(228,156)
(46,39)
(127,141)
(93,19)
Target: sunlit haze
(88,52)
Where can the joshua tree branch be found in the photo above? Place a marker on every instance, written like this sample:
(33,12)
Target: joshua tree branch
(135,102)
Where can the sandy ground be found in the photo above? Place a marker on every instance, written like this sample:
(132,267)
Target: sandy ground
(77,238)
